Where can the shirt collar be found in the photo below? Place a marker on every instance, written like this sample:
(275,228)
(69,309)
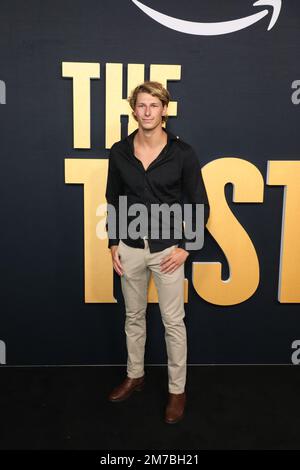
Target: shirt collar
(170,135)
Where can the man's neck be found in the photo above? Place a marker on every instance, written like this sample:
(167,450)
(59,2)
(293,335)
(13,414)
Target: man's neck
(150,138)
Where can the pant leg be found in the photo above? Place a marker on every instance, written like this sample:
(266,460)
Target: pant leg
(134,284)
(170,289)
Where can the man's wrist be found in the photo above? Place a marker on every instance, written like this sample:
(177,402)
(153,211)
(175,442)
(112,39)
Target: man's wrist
(114,242)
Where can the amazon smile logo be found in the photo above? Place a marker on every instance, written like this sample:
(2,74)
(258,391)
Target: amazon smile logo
(214,29)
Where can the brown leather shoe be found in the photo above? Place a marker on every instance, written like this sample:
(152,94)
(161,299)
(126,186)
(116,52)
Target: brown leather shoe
(175,407)
(123,391)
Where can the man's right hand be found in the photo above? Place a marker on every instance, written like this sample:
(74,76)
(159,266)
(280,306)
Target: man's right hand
(116,260)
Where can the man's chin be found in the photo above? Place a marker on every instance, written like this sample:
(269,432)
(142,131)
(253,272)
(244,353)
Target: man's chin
(149,126)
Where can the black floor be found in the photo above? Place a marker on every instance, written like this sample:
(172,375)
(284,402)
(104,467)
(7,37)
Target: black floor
(228,407)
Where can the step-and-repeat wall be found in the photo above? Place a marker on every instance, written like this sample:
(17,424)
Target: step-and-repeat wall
(233,71)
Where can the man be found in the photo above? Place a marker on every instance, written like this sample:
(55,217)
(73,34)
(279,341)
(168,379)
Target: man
(153,166)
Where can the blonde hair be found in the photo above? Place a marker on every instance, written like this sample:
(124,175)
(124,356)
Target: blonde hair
(154,89)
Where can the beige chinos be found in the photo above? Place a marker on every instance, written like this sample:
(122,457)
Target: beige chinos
(137,264)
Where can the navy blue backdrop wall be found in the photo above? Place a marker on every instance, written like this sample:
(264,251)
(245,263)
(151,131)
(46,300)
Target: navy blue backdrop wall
(235,98)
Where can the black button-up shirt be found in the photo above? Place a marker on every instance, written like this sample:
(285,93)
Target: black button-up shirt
(174,174)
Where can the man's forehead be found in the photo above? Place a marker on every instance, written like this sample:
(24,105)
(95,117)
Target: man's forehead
(143,97)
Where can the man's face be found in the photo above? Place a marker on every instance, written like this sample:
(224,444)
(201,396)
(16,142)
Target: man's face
(149,111)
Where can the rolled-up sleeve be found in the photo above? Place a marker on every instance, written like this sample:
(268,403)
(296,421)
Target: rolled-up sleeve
(114,189)
(194,190)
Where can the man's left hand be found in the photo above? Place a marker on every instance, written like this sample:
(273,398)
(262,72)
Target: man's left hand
(171,262)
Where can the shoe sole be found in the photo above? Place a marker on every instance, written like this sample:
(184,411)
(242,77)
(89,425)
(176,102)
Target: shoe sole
(139,388)
(176,421)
